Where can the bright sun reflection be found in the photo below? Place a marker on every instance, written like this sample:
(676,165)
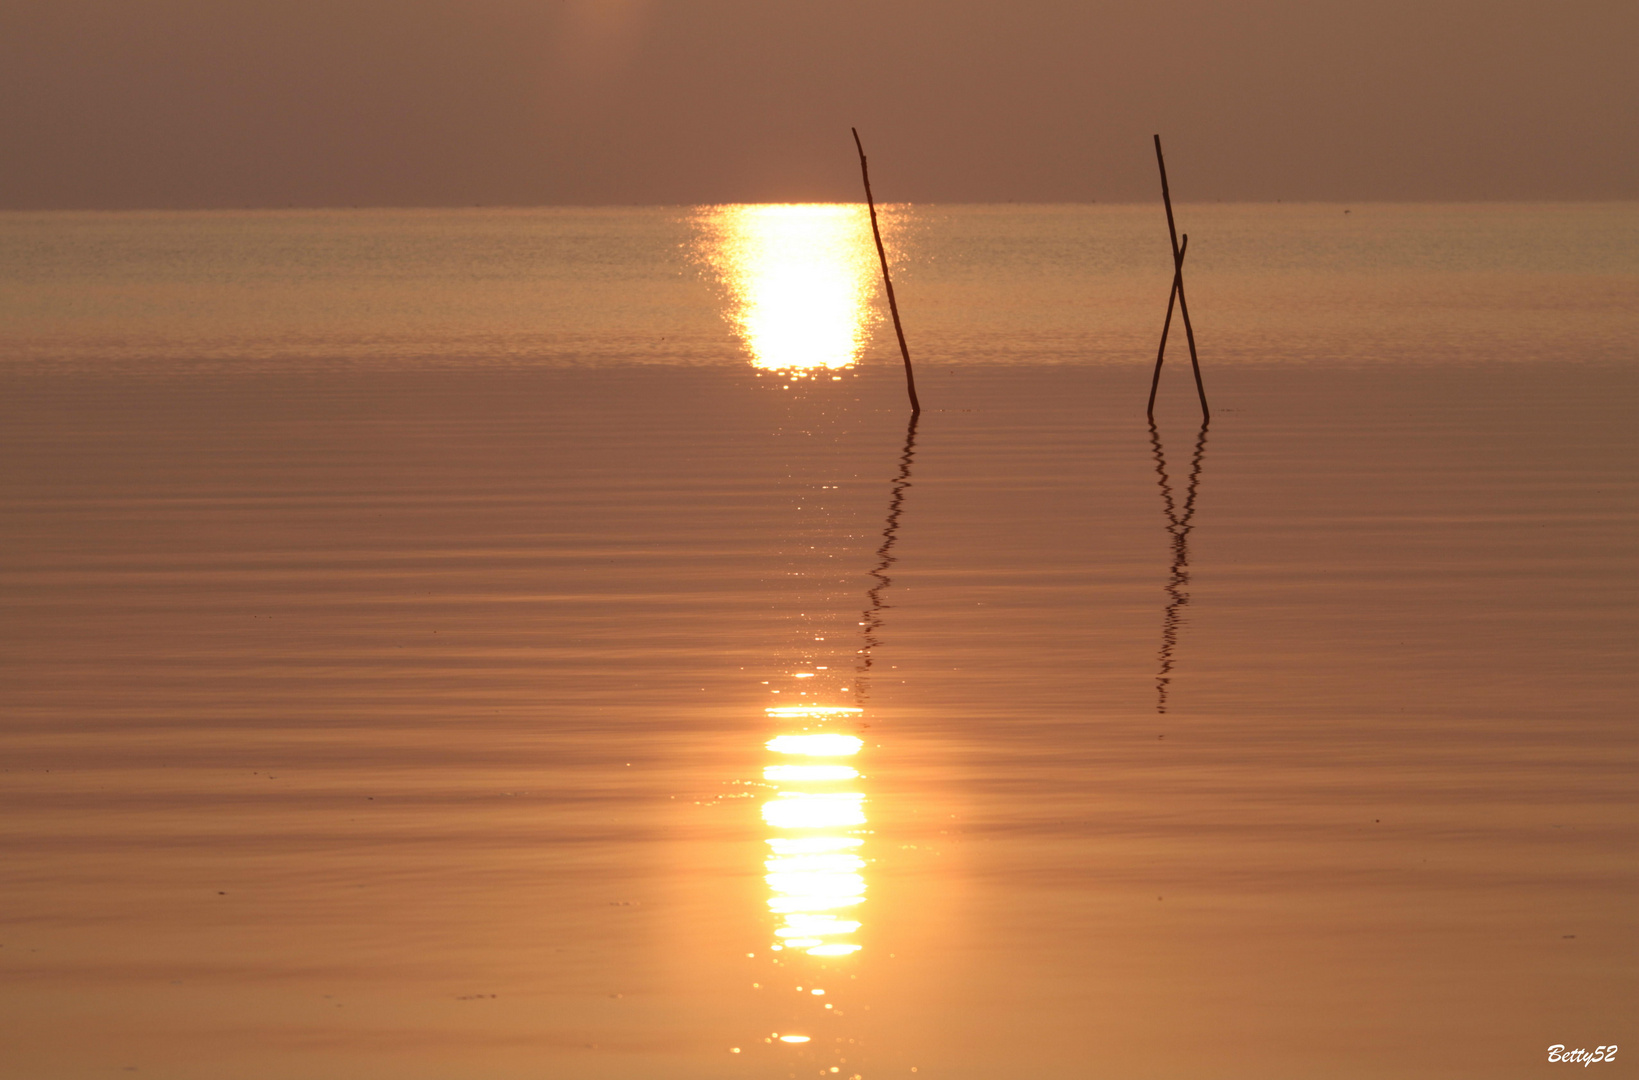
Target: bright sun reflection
(815,745)
(811,810)
(809,772)
(814,872)
(802,845)
(800,278)
(793,863)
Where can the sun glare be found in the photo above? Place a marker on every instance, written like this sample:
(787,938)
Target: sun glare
(799,278)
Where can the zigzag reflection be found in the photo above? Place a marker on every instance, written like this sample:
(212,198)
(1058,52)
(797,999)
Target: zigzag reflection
(1179,524)
(871,618)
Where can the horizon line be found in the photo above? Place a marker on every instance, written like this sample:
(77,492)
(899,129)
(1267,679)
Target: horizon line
(328,207)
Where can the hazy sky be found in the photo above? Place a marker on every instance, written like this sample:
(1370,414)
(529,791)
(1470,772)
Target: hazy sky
(195,103)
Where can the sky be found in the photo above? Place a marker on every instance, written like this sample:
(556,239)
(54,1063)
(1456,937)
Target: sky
(272,103)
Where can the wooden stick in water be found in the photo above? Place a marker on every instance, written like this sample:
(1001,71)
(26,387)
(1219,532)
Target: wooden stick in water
(893,305)
(1166,325)
(1178,282)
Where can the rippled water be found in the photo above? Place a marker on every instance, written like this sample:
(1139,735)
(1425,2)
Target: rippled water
(404,613)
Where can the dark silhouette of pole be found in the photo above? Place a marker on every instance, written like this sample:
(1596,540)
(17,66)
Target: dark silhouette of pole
(1178,291)
(893,305)
(1166,325)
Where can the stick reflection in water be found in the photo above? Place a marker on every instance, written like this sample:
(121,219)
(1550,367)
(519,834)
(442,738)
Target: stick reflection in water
(1179,525)
(871,617)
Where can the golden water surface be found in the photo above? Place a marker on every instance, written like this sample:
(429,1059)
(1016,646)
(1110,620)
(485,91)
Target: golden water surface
(550,704)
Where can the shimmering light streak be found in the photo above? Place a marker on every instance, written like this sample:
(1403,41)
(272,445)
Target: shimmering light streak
(816,884)
(816,926)
(799,845)
(809,772)
(830,863)
(816,745)
(814,810)
(817,872)
(784,905)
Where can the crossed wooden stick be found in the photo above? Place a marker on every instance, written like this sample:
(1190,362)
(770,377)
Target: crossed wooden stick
(1177,295)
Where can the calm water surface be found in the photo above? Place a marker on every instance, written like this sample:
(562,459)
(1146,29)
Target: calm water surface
(533,644)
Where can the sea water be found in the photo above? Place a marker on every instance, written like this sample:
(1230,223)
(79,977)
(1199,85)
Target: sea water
(416,624)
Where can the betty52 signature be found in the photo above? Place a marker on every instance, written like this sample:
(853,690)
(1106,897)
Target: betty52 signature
(1557,1052)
